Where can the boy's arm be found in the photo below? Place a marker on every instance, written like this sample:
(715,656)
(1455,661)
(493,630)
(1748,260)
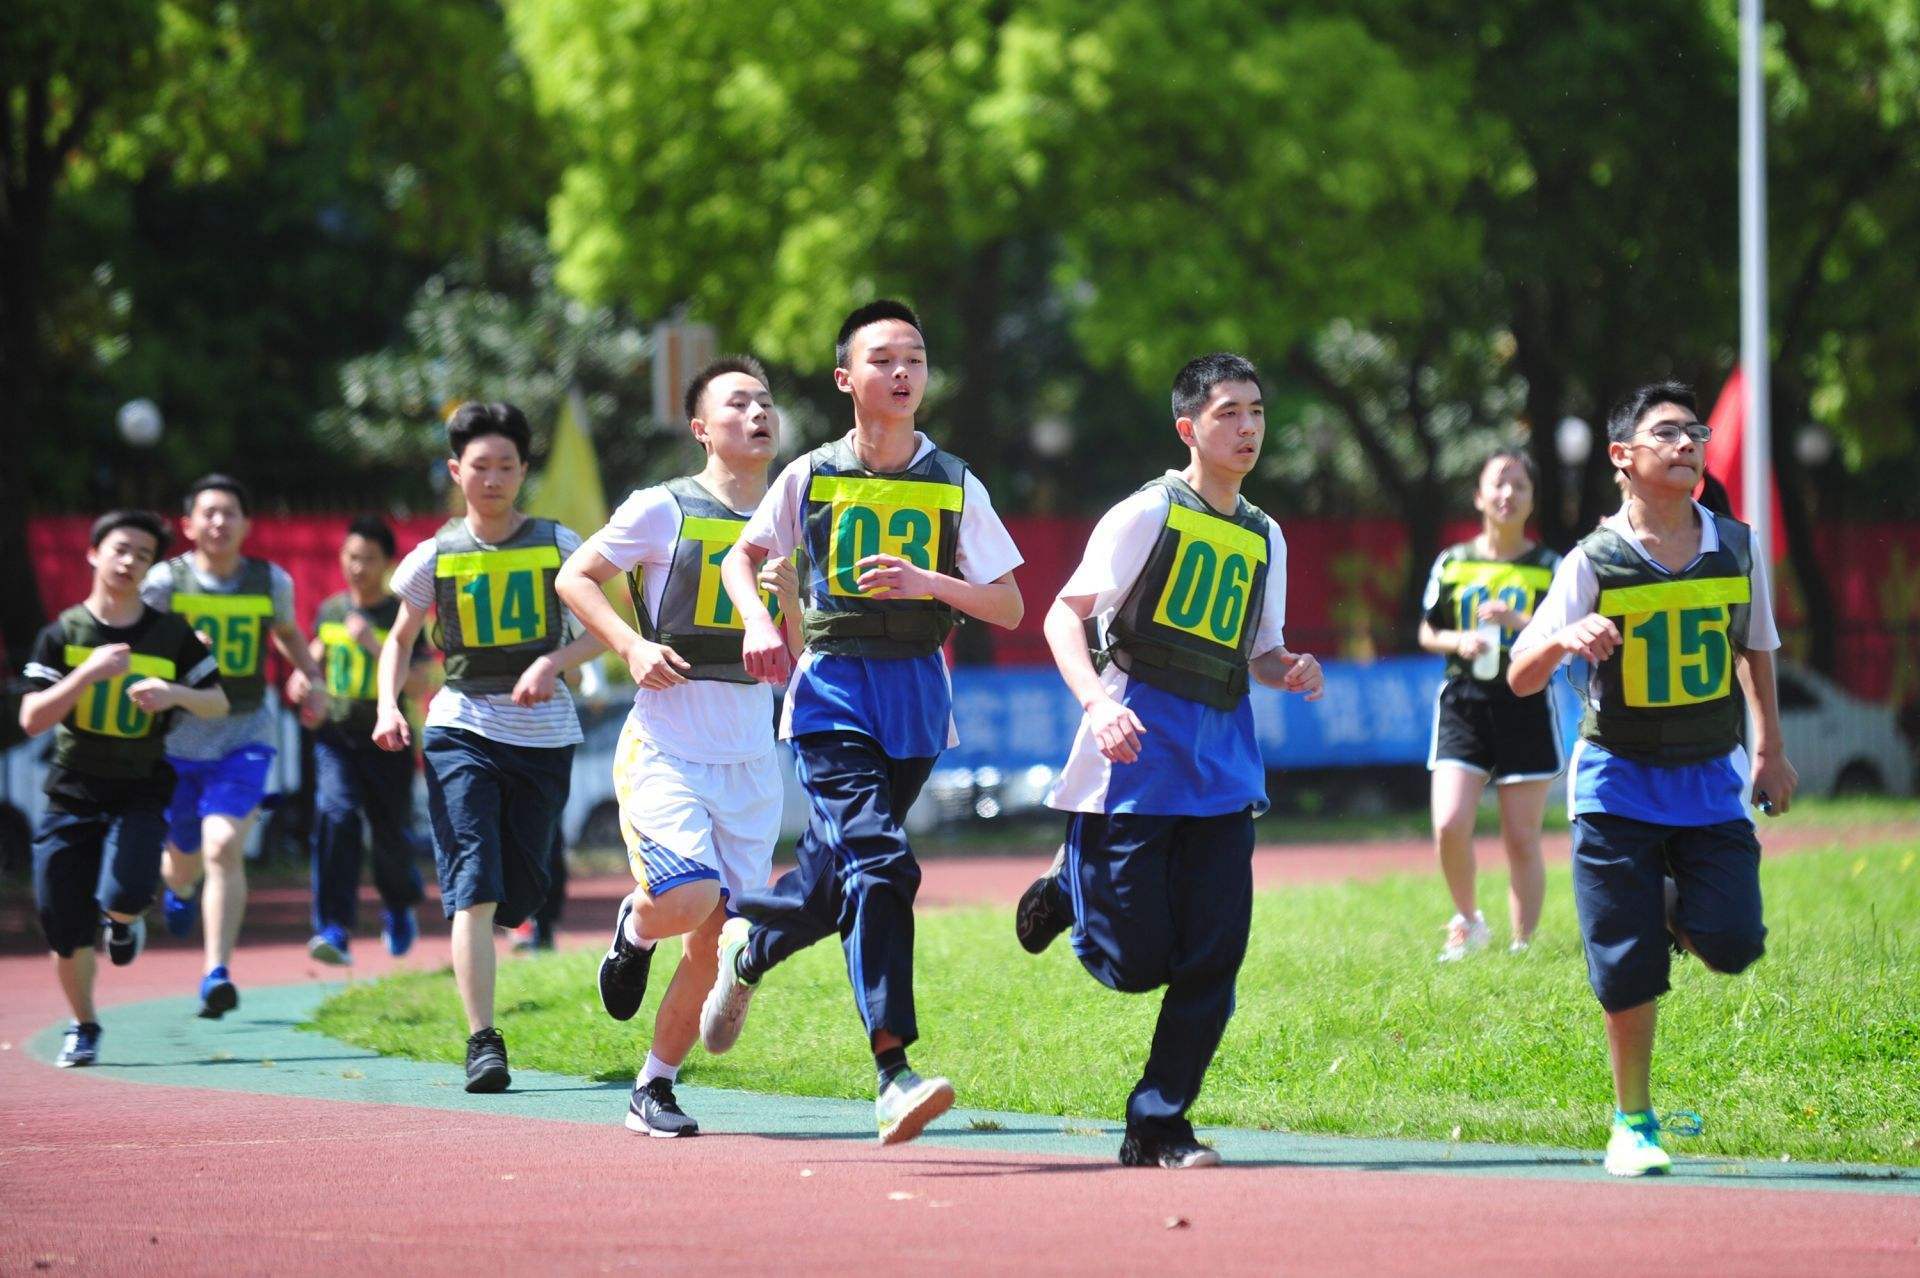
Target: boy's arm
(390,730)
(1774,779)
(536,682)
(1115,728)
(1564,625)
(780,577)
(764,649)
(155,696)
(1289,672)
(652,665)
(997,602)
(1461,643)
(293,646)
(41,710)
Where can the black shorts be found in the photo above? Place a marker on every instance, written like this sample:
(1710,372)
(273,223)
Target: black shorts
(89,858)
(1500,736)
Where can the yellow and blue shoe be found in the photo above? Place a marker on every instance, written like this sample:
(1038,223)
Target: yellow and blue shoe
(1634,1148)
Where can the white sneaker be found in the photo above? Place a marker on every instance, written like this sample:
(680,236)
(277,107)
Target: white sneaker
(1635,1150)
(1519,947)
(725,1011)
(1464,938)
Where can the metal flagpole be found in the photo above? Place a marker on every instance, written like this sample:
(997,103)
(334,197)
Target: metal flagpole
(1757,438)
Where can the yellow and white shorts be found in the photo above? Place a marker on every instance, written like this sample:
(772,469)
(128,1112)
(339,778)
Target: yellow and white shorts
(684,821)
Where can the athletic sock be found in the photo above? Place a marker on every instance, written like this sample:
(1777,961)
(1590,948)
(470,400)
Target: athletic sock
(888,1063)
(743,968)
(632,933)
(657,1068)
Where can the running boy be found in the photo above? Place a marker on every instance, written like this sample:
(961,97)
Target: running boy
(500,734)
(111,673)
(696,772)
(901,539)
(237,604)
(1188,583)
(1668,601)
(1479,595)
(357,784)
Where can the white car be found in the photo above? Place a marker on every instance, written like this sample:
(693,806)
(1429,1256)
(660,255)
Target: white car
(1840,744)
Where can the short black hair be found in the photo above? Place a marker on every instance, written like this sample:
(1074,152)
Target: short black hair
(1512,453)
(139,520)
(873,312)
(1193,383)
(218,483)
(375,530)
(1626,415)
(725,364)
(474,420)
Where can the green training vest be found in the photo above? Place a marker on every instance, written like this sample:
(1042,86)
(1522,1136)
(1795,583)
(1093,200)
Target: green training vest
(105,734)
(1466,582)
(235,624)
(851,513)
(497,607)
(697,619)
(1666,695)
(352,672)
(1187,624)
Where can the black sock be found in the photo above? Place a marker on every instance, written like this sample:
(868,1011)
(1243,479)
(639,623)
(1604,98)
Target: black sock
(890,1062)
(743,968)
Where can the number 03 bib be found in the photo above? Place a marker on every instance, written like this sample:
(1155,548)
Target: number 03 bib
(1665,696)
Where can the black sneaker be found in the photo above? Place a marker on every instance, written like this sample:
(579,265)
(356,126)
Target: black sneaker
(125,940)
(1044,911)
(623,971)
(81,1045)
(653,1110)
(487,1062)
(1176,1153)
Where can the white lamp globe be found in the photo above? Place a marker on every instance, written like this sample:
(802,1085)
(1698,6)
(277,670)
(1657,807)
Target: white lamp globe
(1572,441)
(140,423)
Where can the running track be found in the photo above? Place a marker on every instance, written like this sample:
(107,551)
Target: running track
(98,1171)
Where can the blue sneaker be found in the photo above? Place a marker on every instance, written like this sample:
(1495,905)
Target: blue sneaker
(398,929)
(331,945)
(81,1046)
(217,995)
(181,913)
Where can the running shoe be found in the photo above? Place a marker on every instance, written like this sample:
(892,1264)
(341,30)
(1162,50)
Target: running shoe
(1044,911)
(725,1012)
(623,970)
(907,1103)
(487,1062)
(331,945)
(1634,1147)
(125,940)
(81,1046)
(1175,1153)
(180,912)
(217,995)
(397,930)
(1464,938)
(652,1109)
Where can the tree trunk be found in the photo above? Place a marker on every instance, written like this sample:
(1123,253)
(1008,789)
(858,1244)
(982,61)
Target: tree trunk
(1803,553)
(22,244)
(990,447)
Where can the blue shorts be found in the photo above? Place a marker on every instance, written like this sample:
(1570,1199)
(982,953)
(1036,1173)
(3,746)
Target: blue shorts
(88,859)
(494,809)
(230,786)
(1619,869)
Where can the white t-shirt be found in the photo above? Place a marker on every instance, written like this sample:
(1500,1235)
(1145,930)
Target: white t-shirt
(1116,554)
(1576,589)
(493,715)
(702,720)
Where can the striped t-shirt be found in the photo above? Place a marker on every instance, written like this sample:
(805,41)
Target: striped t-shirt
(492,715)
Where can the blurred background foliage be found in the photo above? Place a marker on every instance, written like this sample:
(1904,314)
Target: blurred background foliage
(304,227)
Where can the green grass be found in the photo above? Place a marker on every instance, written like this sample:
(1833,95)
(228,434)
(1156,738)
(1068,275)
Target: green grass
(1345,1023)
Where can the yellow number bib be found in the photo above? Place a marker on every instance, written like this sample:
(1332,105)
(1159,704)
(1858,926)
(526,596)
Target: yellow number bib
(105,709)
(502,593)
(1675,649)
(351,669)
(881,517)
(236,625)
(1213,569)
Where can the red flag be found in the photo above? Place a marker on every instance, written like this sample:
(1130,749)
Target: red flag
(1724,457)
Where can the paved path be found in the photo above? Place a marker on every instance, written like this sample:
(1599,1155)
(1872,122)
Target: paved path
(245,1146)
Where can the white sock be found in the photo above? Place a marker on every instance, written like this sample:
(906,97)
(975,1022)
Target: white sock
(657,1068)
(633,932)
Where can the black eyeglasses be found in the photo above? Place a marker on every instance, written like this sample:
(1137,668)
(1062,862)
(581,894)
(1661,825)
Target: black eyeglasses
(1671,433)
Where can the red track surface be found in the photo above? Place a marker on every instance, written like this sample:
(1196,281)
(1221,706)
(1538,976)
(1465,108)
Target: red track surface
(97,1174)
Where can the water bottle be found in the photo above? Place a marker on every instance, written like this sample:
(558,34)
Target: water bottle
(1487,664)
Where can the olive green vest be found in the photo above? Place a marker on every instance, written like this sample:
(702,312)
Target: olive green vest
(1466,582)
(234,623)
(696,618)
(106,734)
(1666,695)
(1187,624)
(498,611)
(352,672)
(853,513)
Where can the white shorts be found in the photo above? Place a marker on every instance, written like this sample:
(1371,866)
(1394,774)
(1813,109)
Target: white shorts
(685,821)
